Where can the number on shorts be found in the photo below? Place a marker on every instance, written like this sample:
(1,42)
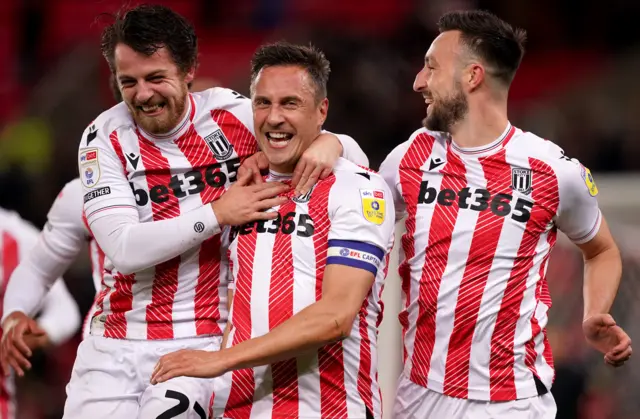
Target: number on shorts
(181,407)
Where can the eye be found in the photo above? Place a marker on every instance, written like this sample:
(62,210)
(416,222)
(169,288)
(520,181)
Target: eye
(127,83)
(260,102)
(156,79)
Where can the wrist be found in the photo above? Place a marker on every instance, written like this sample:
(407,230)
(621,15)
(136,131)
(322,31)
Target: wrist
(215,207)
(229,358)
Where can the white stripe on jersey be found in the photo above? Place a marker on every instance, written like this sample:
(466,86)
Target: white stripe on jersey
(262,406)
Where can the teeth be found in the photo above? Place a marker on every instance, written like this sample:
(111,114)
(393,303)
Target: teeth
(150,108)
(278,135)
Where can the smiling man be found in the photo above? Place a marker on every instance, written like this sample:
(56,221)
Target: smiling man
(159,174)
(484,201)
(306,304)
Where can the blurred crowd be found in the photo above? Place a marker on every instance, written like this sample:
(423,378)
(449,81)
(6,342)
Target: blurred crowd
(576,86)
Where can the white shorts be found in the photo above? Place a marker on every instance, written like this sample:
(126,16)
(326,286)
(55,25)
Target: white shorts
(416,402)
(110,380)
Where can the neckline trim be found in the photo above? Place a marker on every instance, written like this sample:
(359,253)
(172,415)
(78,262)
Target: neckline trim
(501,141)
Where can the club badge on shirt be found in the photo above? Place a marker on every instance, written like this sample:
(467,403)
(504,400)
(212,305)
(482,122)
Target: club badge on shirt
(372,205)
(89,167)
(588,180)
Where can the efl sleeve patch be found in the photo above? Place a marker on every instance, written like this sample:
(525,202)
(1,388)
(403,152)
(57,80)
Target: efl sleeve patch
(373,205)
(89,167)
(588,180)
(355,254)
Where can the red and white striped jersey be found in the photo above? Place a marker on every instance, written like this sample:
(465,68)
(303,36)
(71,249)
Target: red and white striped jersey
(481,224)
(277,268)
(162,177)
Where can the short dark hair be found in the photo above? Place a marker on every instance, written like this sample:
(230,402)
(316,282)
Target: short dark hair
(147,28)
(284,53)
(497,43)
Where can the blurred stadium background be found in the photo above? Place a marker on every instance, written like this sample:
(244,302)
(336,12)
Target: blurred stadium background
(577,86)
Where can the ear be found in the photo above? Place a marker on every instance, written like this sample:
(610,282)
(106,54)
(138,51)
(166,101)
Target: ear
(188,78)
(323,108)
(474,76)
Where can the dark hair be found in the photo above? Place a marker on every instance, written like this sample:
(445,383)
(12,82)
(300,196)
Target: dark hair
(493,40)
(283,53)
(147,28)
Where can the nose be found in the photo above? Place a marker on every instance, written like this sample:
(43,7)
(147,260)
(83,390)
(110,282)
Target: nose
(144,92)
(420,83)
(275,116)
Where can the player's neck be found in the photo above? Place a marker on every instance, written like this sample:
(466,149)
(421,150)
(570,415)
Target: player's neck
(482,125)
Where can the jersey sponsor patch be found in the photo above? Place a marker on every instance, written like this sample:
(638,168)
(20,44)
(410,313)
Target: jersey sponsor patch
(105,190)
(373,205)
(588,180)
(89,167)
(355,254)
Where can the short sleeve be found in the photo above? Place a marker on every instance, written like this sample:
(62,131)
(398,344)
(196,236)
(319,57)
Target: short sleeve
(578,216)
(362,223)
(105,187)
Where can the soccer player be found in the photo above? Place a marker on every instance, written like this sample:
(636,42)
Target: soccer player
(159,175)
(59,316)
(307,285)
(484,201)
(62,239)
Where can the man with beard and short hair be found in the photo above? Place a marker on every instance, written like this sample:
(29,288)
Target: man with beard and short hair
(159,175)
(484,201)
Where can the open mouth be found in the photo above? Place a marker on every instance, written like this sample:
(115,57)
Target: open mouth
(278,139)
(151,110)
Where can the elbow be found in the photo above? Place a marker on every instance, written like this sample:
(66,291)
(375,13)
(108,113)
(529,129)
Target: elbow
(341,323)
(124,265)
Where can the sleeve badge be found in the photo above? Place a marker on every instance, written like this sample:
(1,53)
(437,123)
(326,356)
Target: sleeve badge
(373,205)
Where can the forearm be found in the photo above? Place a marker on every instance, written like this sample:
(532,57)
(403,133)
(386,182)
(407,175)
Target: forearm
(133,246)
(601,280)
(311,328)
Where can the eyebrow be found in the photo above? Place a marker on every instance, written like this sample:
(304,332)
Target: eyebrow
(290,98)
(429,58)
(152,74)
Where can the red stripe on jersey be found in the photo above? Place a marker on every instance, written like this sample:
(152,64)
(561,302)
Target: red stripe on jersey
(285,373)
(545,196)
(484,243)
(165,284)
(115,143)
(364,372)
(10,257)
(410,179)
(530,350)
(120,301)
(436,256)
(243,141)
(207,298)
(240,398)
(10,260)
(333,395)
(200,157)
